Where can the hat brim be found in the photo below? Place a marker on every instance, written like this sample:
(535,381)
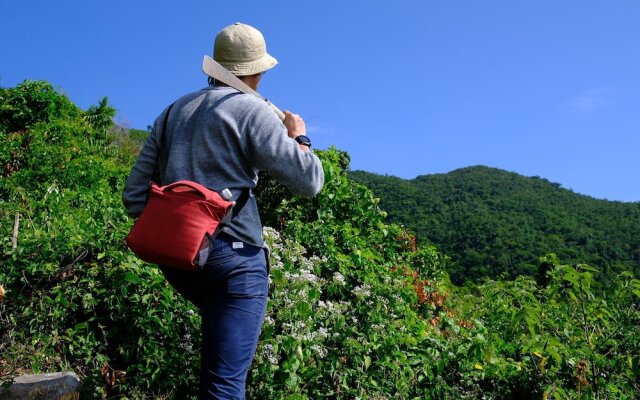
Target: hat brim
(260,65)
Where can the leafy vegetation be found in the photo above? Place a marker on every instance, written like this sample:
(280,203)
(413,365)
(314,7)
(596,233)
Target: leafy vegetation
(492,222)
(357,309)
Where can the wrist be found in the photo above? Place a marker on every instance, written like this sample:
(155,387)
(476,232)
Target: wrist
(294,135)
(303,140)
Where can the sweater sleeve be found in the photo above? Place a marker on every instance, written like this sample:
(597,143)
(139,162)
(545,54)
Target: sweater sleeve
(275,152)
(134,196)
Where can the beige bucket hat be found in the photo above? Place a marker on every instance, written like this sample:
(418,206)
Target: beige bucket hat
(241,49)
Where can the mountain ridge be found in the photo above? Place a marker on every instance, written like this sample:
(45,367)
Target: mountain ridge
(492,221)
(483,166)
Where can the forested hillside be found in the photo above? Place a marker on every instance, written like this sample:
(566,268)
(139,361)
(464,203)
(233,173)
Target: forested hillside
(356,308)
(492,222)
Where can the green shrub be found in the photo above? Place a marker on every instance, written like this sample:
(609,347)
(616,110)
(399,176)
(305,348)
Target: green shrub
(560,339)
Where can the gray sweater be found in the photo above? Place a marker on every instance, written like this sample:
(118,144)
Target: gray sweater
(222,138)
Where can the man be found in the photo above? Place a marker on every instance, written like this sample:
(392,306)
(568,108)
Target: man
(222,138)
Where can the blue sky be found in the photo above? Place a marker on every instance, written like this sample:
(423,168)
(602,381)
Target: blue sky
(407,88)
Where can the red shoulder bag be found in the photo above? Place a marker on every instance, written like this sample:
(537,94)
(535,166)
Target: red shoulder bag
(178,225)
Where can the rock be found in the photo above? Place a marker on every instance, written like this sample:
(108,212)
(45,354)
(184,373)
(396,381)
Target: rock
(54,386)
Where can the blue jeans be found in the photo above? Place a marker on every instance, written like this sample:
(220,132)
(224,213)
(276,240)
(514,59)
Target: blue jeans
(231,292)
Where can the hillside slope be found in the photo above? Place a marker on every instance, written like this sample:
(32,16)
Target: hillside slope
(490,221)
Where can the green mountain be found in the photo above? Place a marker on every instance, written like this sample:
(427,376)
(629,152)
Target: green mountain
(492,222)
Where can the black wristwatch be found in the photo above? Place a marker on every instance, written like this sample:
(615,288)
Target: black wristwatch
(303,140)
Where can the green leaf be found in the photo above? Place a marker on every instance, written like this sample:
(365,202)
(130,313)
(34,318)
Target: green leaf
(585,267)
(367,362)
(299,351)
(304,309)
(132,278)
(554,354)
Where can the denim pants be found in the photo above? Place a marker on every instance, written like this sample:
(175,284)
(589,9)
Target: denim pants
(231,293)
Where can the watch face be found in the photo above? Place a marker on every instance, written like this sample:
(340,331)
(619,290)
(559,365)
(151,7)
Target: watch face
(302,139)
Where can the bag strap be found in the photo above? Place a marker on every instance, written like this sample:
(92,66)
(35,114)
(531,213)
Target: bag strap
(164,127)
(226,221)
(242,200)
(196,187)
(156,171)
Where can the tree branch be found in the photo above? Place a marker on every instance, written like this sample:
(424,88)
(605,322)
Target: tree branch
(16,227)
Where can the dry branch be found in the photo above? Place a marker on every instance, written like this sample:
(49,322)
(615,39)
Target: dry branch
(16,227)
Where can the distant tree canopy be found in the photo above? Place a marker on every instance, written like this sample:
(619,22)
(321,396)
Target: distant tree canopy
(492,222)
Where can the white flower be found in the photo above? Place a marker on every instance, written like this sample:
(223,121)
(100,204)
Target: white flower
(321,351)
(308,276)
(338,278)
(329,306)
(276,264)
(269,354)
(270,233)
(362,291)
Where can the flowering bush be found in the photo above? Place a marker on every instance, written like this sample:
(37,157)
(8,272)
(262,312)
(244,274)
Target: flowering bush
(359,311)
(323,336)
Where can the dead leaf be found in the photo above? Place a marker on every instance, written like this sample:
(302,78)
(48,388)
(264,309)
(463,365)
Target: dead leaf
(108,375)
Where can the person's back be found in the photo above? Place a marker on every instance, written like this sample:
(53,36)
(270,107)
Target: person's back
(222,138)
